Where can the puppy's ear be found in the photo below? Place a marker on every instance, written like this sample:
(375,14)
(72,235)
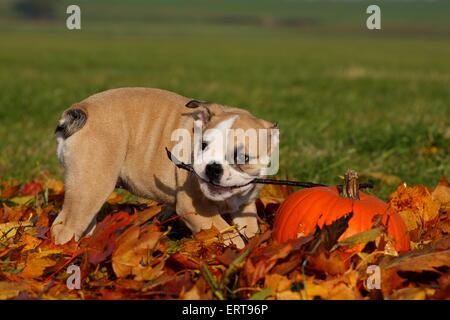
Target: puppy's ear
(193,104)
(204,113)
(270,125)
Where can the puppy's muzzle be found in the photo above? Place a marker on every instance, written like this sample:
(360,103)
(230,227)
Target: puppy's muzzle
(214,171)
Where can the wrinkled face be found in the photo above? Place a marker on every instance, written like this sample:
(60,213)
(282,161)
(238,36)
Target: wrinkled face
(230,150)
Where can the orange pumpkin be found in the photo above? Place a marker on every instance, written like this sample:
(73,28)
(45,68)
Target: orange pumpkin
(303,210)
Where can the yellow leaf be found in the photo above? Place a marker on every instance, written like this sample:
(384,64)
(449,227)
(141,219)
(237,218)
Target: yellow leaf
(22,200)
(9,229)
(10,289)
(389,179)
(114,198)
(56,186)
(36,264)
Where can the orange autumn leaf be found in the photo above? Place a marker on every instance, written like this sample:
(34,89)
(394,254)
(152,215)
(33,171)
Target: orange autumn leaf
(415,205)
(441,194)
(9,191)
(149,213)
(36,264)
(133,255)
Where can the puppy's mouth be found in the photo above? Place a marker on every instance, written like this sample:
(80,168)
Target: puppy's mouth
(216,189)
(217,192)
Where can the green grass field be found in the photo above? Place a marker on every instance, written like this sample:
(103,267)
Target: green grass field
(344,96)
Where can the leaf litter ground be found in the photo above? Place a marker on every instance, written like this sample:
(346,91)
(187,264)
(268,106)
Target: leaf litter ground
(141,250)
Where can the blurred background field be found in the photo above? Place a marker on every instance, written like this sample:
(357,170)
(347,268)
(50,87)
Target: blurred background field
(344,96)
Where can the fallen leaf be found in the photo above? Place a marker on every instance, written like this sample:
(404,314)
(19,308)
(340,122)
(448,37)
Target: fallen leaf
(32,188)
(9,229)
(412,293)
(441,194)
(277,283)
(361,238)
(134,253)
(388,179)
(148,213)
(331,264)
(114,198)
(56,186)
(262,295)
(10,289)
(272,193)
(36,264)
(102,242)
(415,205)
(9,191)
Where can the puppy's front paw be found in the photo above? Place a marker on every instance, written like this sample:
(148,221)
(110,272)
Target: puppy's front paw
(62,234)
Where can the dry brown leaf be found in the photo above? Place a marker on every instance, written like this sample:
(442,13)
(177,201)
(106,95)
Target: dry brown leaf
(148,213)
(332,264)
(133,253)
(414,204)
(271,193)
(441,193)
(415,267)
(9,289)
(412,294)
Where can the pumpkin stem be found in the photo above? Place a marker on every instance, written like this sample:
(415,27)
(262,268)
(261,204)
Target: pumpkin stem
(351,185)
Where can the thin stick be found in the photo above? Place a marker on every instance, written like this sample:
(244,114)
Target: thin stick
(292,183)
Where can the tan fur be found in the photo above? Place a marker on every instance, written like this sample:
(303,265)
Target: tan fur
(124,139)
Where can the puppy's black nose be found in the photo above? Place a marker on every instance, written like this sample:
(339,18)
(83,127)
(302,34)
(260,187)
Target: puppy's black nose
(214,171)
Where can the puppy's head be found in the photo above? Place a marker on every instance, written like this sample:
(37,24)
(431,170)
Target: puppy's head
(231,148)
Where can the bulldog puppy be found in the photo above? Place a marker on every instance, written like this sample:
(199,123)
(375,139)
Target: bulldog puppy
(119,138)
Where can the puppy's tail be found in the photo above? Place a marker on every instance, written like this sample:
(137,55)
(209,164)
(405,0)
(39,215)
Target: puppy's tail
(71,121)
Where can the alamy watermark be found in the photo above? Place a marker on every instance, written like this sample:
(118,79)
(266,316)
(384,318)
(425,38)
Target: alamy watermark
(374,279)
(373,22)
(73,21)
(74,280)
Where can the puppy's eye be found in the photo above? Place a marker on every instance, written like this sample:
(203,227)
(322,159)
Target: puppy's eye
(241,158)
(204,145)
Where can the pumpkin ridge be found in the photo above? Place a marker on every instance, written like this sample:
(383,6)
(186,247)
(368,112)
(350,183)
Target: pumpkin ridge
(329,211)
(280,223)
(309,209)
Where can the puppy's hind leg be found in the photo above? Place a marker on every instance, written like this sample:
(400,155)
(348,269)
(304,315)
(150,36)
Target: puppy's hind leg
(91,171)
